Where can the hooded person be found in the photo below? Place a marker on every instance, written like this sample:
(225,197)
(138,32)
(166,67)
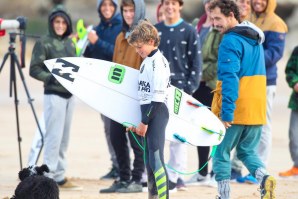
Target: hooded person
(139,13)
(240,97)
(129,181)
(102,42)
(129,57)
(59,11)
(102,38)
(58,102)
(50,39)
(275,30)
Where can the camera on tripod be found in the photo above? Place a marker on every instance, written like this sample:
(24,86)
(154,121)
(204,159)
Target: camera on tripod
(17,27)
(14,25)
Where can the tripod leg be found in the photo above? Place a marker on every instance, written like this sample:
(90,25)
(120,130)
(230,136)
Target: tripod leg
(13,86)
(4,60)
(30,100)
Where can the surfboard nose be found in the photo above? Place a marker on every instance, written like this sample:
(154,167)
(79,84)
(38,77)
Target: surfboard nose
(50,63)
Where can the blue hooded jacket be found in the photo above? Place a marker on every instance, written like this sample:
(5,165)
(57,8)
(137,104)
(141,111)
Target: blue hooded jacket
(107,32)
(240,94)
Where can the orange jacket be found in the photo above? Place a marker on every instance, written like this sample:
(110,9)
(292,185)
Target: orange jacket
(125,54)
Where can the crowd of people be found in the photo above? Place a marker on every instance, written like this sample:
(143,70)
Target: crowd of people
(227,59)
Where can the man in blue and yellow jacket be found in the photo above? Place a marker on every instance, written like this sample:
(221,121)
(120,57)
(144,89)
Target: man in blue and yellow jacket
(275,31)
(240,96)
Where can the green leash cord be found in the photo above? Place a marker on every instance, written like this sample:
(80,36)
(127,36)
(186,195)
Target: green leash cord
(194,172)
(126,124)
(143,148)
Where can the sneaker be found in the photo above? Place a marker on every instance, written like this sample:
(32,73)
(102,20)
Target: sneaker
(212,182)
(144,186)
(66,184)
(113,174)
(217,197)
(133,187)
(267,187)
(172,187)
(249,179)
(293,172)
(114,187)
(181,185)
(235,174)
(198,179)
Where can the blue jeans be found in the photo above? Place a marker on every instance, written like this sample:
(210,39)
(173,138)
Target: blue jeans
(246,140)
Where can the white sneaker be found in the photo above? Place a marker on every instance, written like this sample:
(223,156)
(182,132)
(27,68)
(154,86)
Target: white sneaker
(198,179)
(212,182)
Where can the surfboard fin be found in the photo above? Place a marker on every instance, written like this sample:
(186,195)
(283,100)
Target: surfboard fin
(209,131)
(181,139)
(196,105)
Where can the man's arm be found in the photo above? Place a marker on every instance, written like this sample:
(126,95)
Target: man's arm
(228,67)
(274,47)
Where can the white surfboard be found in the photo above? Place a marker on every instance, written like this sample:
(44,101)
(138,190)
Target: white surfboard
(111,89)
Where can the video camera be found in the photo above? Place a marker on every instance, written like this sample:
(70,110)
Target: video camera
(12,24)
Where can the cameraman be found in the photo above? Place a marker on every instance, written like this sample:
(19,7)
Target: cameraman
(58,102)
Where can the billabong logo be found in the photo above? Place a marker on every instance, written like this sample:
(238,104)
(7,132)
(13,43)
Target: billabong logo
(66,70)
(116,74)
(177,101)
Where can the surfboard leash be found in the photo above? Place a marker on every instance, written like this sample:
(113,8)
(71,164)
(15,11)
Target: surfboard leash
(194,172)
(181,139)
(127,124)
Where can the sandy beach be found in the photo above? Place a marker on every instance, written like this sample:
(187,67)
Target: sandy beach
(88,157)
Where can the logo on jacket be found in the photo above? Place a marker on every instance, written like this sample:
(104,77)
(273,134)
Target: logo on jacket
(144,86)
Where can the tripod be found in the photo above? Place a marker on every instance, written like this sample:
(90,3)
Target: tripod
(13,87)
